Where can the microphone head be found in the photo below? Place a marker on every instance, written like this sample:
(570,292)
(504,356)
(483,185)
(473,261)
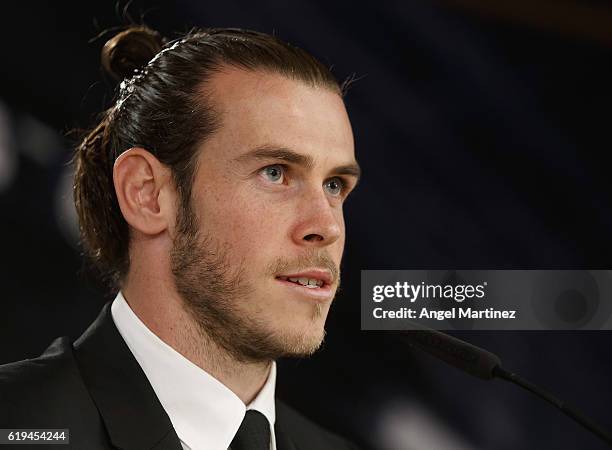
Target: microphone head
(467,357)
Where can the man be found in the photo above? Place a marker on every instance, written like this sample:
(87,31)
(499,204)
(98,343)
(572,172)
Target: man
(210,197)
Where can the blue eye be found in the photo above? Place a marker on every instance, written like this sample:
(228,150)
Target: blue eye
(273,173)
(334,186)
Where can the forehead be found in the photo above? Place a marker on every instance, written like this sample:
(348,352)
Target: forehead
(262,108)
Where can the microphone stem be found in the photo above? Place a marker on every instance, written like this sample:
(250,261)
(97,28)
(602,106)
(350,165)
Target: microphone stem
(568,410)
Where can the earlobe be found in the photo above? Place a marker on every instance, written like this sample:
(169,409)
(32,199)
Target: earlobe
(139,177)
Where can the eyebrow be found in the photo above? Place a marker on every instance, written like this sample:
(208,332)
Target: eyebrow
(288,155)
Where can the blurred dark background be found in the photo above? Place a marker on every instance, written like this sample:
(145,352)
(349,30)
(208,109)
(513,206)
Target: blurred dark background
(483,128)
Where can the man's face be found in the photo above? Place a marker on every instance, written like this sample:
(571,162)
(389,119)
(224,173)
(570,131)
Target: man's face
(266,208)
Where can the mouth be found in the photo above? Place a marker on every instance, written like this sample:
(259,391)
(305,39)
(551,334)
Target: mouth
(314,283)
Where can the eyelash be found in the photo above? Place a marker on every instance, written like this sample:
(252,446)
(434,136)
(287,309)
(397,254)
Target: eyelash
(343,181)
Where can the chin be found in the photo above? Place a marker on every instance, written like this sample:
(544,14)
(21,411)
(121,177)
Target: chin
(297,332)
(303,348)
(305,343)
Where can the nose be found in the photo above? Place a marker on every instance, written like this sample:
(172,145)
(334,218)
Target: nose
(319,223)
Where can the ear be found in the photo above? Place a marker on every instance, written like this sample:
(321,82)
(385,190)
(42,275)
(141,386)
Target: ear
(144,190)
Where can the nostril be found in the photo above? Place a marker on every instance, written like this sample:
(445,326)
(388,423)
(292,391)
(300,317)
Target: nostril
(313,237)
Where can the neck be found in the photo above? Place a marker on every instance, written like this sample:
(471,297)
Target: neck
(172,323)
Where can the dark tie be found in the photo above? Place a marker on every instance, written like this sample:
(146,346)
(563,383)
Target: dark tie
(253,434)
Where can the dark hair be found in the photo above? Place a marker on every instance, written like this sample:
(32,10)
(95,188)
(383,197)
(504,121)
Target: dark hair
(162,106)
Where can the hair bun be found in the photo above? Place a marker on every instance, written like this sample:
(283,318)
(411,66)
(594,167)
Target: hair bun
(130,50)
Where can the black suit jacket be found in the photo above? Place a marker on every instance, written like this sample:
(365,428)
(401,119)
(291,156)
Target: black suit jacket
(97,390)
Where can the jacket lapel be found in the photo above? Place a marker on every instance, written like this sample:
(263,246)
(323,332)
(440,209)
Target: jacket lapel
(282,429)
(131,411)
(283,442)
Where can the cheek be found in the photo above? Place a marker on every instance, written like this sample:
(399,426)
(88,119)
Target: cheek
(248,225)
(339,247)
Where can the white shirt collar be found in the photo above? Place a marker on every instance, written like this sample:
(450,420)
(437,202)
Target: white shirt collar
(204,412)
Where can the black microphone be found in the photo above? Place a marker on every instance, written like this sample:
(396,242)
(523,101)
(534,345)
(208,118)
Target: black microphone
(483,364)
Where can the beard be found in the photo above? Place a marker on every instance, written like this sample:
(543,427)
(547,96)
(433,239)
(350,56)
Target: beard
(213,290)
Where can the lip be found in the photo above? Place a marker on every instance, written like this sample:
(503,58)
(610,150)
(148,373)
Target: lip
(317,274)
(321,293)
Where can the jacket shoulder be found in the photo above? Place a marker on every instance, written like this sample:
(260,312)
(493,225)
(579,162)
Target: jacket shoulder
(45,391)
(305,433)
(22,373)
